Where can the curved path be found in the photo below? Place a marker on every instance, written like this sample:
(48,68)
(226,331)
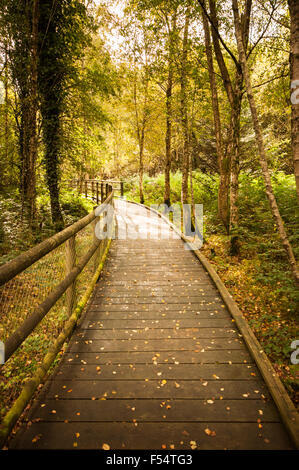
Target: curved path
(157,361)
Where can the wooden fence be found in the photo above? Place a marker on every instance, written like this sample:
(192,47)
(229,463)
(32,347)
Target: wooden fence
(14,270)
(97,190)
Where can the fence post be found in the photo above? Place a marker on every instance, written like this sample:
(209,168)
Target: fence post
(98,253)
(97,192)
(86,190)
(121,188)
(107,190)
(70,261)
(102,192)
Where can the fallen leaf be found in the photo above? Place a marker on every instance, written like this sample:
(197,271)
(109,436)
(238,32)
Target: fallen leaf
(193,445)
(209,432)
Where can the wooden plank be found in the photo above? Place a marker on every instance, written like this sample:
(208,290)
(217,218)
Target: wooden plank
(234,436)
(158,333)
(123,315)
(202,299)
(119,291)
(184,389)
(158,308)
(161,371)
(157,323)
(129,283)
(154,345)
(238,356)
(150,410)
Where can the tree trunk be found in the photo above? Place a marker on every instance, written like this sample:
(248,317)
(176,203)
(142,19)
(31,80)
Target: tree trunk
(51,90)
(141,128)
(294,60)
(28,126)
(235,154)
(52,131)
(233,90)
(6,127)
(168,141)
(184,112)
(33,143)
(261,147)
(233,98)
(193,212)
(168,135)
(141,166)
(223,161)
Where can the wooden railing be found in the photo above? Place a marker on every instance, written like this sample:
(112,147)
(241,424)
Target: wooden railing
(17,272)
(97,190)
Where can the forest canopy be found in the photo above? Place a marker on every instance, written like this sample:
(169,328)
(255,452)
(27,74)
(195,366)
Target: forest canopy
(117,89)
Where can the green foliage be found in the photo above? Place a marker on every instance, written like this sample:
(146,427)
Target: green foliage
(17,237)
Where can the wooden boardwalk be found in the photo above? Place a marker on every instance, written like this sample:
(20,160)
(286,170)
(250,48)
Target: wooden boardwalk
(156,363)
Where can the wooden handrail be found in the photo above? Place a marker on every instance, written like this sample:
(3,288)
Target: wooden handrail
(9,270)
(26,328)
(97,187)
(25,260)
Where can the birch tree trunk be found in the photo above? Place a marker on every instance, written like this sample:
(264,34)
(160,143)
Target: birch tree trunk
(261,146)
(294,60)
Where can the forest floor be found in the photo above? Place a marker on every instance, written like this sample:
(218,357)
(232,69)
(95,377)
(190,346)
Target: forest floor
(263,307)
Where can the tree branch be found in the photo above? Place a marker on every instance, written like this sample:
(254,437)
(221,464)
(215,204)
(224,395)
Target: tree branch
(216,30)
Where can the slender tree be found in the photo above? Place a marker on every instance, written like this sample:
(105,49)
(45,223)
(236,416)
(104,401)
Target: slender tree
(223,160)
(184,109)
(233,84)
(261,147)
(294,61)
(169,89)
(141,123)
